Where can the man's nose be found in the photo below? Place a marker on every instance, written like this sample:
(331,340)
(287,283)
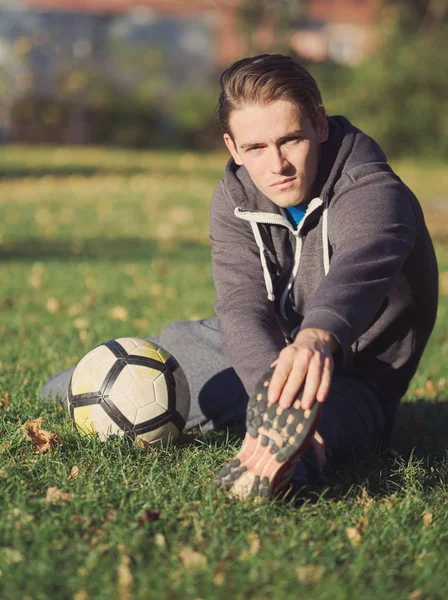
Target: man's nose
(279,162)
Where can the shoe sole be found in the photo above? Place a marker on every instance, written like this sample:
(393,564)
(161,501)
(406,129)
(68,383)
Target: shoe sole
(275,439)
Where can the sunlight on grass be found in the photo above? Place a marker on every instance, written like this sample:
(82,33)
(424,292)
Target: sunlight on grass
(97,244)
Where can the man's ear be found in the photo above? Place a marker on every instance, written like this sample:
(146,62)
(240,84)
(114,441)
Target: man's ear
(322,125)
(232,149)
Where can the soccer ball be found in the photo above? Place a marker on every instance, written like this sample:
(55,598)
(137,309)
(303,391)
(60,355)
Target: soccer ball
(129,387)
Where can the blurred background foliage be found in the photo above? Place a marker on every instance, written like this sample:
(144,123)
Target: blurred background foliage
(143,98)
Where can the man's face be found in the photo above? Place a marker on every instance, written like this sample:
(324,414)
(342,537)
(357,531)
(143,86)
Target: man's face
(279,147)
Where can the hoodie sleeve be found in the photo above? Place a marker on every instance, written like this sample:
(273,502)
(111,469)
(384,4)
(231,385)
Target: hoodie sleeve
(372,230)
(251,336)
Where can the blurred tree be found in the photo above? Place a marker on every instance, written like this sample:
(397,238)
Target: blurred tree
(421,15)
(266,24)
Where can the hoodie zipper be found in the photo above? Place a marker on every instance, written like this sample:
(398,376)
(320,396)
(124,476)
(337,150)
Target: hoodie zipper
(273,219)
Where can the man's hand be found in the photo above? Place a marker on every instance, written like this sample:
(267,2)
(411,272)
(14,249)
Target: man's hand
(308,359)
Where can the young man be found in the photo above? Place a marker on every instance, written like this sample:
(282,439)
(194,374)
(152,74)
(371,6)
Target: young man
(326,285)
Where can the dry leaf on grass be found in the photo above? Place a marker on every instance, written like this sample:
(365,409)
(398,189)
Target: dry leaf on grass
(6,303)
(42,440)
(219,578)
(3,473)
(148,516)
(428,518)
(53,305)
(5,401)
(416,595)
(159,540)
(55,495)
(192,559)
(74,472)
(354,535)
(125,578)
(118,313)
(11,556)
(310,574)
(254,543)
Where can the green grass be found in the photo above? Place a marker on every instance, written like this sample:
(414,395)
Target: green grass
(84,231)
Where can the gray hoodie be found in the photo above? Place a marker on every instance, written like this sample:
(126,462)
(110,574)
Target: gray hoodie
(361,265)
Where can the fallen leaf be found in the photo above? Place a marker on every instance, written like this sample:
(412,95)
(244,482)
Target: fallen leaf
(148,516)
(118,313)
(5,401)
(74,472)
(74,310)
(80,595)
(53,305)
(18,517)
(192,559)
(428,518)
(125,578)
(42,440)
(254,543)
(11,556)
(354,535)
(219,579)
(430,388)
(416,595)
(6,303)
(55,495)
(81,323)
(159,540)
(3,473)
(310,574)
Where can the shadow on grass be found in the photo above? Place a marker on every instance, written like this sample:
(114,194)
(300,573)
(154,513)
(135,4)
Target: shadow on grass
(416,458)
(170,167)
(125,248)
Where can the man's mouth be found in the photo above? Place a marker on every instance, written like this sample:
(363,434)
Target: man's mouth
(284,183)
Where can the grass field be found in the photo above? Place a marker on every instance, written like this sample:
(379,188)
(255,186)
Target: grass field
(98,244)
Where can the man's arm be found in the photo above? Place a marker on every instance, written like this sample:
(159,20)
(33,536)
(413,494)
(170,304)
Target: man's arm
(251,336)
(372,232)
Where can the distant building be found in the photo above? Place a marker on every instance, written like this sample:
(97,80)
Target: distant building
(63,61)
(344,31)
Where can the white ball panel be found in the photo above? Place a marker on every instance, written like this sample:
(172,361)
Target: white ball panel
(92,370)
(120,394)
(160,434)
(129,344)
(161,391)
(91,419)
(142,392)
(146,413)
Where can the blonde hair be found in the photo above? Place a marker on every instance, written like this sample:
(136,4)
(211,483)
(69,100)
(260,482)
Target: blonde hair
(264,79)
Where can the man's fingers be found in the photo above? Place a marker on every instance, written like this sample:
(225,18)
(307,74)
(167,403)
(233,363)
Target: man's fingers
(312,382)
(279,377)
(325,383)
(295,379)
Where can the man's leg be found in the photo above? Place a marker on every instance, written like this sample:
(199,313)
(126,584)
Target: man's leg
(279,442)
(353,423)
(218,398)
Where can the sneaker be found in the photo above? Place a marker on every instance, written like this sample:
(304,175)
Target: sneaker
(275,440)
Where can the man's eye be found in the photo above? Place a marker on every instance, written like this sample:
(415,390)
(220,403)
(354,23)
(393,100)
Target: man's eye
(253,148)
(292,139)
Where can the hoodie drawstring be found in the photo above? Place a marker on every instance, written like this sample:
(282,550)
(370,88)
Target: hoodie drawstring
(325,241)
(267,275)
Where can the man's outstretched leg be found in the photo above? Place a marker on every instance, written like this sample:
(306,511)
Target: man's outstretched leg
(278,442)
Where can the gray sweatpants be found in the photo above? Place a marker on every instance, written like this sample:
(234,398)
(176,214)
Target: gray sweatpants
(352,418)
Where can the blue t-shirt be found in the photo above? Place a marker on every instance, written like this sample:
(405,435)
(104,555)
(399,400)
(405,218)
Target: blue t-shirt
(295,214)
